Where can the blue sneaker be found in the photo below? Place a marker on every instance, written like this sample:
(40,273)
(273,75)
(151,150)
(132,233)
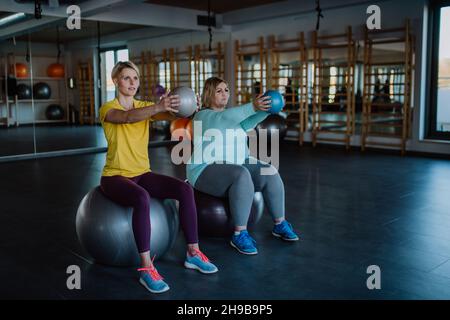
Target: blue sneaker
(152,280)
(284,231)
(244,243)
(199,262)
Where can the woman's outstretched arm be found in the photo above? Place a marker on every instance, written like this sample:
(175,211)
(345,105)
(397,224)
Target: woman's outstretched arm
(166,105)
(239,114)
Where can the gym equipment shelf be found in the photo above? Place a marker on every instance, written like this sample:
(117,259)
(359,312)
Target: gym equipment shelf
(387,106)
(341,60)
(15,111)
(250,70)
(86,90)
(175,67)
(296,77)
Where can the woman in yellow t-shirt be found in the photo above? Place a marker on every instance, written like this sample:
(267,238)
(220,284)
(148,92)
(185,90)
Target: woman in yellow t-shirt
(127,178)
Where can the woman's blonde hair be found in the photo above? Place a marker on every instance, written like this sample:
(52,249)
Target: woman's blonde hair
(123,65)
(209,90)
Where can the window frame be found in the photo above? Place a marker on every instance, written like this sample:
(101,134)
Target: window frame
(103,50)
(433,72)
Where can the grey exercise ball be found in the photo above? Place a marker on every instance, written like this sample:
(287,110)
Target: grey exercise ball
(105,231)
(188,101)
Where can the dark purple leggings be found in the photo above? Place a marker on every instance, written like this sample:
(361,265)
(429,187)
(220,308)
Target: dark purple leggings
(136,192)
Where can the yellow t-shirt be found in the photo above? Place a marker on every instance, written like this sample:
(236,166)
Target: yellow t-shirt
(127,143)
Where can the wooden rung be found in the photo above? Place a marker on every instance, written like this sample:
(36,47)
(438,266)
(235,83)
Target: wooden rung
(331,121)
(332,112)
(287,41)
(390,105)
(385,94)
(384,73)
(331,139)
(381,41)
(383,134)
(382,84)
(286,50)
(387,63)
(247,78)
(249,45)
(385,144)
(247,70)
(250,53)
(332,36)
(391,30)
(382,124)
(331,46)
(333,104)
(384,114)
(288,68)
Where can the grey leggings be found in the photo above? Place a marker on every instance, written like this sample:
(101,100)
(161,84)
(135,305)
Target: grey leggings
(239,183)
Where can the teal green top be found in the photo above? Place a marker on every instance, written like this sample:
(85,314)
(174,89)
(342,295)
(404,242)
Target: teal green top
(220,136)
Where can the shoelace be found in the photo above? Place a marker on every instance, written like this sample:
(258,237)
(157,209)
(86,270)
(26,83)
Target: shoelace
(201,255)
(245,237)
(286,226)
(152,271)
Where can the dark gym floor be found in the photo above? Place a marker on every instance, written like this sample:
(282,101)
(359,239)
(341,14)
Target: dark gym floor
(352,209)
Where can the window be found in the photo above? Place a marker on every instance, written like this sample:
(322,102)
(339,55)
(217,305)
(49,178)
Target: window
(164,74)
(439,107)
(204,71)
(108,59)
(285,73)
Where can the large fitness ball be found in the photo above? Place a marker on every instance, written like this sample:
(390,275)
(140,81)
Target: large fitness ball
(23,91)
(105,231)
(214,217)
(54,112)
(190,129)
(55,70)
(188,101)
(41,90)
(21,70)
(273,123)
(178,129)
(277,103)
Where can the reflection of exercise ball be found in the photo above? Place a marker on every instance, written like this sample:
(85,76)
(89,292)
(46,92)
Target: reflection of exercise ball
(104,229)
(21,70)
(271,123)
(177,124)
(23,91)
(214,218)
(277,103)
(54,112)
(55,70)
(188,101)
(41,90)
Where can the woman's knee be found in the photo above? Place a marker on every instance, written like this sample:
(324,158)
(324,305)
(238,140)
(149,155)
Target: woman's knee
(275,181)
(186,190)
(243,179)
(141,200)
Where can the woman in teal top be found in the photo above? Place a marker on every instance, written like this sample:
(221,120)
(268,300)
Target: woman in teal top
(220,164)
